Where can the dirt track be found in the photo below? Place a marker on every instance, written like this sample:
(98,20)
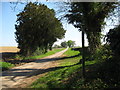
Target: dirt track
(21,76)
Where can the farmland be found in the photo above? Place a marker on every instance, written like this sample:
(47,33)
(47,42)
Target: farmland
(8,49)
(6,52)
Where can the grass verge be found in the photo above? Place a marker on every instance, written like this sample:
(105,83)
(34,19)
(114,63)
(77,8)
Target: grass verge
(5,65)
(99,74)
(20,60)
(60,76)
(39,56)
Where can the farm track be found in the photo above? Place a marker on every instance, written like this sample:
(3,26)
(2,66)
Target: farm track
(22,76)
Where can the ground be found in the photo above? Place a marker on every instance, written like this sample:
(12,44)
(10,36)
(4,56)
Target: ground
(24,75)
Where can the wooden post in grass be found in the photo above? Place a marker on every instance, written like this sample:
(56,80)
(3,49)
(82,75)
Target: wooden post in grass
(83,55)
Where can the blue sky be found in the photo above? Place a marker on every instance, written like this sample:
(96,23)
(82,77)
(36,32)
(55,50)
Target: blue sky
(7,24)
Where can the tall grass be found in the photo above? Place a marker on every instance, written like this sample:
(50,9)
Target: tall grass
(5,65)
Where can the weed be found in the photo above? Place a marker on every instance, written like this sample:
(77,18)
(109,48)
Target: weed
(5,65)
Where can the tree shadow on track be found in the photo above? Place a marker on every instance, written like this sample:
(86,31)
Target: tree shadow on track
(33,72)
(54,59)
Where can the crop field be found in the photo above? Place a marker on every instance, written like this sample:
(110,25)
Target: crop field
(6,52)
(8,49)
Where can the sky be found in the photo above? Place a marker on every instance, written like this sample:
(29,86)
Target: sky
(8,20)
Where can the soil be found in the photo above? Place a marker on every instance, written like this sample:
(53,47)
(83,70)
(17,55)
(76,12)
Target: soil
(24,75)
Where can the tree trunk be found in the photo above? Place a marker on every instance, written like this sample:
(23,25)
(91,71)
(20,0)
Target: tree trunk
(94,41)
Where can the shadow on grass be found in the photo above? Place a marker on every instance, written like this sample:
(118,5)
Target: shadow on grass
(8,54)
(33,72)
(39,60)
(30,72)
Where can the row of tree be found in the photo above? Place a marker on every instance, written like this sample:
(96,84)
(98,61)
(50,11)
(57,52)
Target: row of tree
(69,44)
(37,28)
(65,44)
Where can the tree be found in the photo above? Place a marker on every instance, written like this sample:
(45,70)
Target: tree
(89,17)
(37,27)
(64,44)
(57,46)
(70,43)
(113,38)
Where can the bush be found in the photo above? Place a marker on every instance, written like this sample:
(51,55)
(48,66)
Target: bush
(110,71)
(5,65)
(103,53)
(113,38)
(38,51)
(94,84)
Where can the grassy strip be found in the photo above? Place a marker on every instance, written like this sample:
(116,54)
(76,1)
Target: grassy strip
(17,58)
(5,65)
(40,56)
(58,78)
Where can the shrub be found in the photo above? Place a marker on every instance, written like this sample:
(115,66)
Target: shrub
(5,65)
(103,53)
(38,51)
(113,38)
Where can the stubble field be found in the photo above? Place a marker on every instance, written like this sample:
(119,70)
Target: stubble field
(8,49)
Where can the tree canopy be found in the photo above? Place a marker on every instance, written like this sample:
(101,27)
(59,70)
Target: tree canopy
(71,43)
(37,27)
(64,44)
(113,38)
(89,17)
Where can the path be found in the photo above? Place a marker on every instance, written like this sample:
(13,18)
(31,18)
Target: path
(24,74)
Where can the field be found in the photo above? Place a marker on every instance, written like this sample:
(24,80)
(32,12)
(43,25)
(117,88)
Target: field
(6,52)
(8,49)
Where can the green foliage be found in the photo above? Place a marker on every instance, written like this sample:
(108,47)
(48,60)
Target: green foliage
(59,77)
(109,71)
(38,54)
(5,65)
(89,17)
(57,46)
(103,53)
(70,43)
(99,75)
(113,38)
(37,27)
(94,84)
(110,68)
(64,44)
(55,78)
(38,51)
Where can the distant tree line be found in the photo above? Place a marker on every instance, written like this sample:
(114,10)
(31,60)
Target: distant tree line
(37,29)
(69,44)
(65,44)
